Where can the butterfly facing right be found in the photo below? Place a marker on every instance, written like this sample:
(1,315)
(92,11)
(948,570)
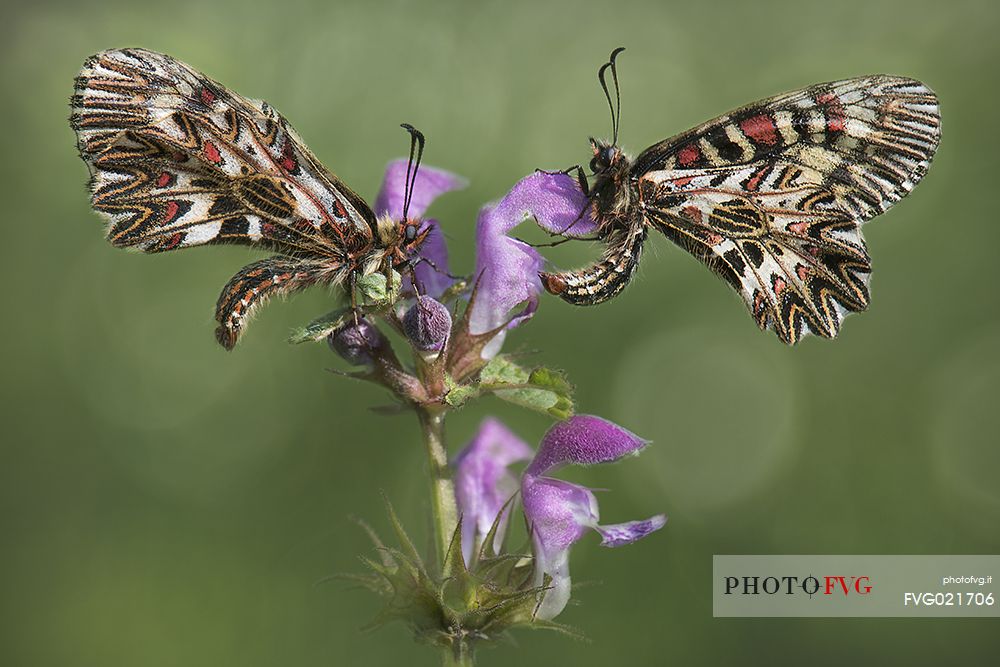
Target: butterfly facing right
(770,197)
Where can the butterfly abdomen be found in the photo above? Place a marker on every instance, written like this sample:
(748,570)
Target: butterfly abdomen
(608,277)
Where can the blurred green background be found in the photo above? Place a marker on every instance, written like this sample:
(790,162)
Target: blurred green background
(166,503)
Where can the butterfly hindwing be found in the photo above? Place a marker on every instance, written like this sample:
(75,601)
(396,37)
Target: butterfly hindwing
(178,160)
(772,196)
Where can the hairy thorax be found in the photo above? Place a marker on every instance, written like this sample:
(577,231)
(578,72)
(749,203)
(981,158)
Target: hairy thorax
(615,197)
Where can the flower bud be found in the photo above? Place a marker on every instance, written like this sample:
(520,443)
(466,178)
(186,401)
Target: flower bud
(427,324)
(357,343)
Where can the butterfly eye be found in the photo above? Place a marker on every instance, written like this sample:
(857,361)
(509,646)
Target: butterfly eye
(410,232)
(608,155)
(593,164)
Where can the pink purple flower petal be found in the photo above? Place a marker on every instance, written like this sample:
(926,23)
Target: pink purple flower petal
(507,269)
(619,534)
(430,184)
(560,513)
(584,440)
(483,483)
(432,271)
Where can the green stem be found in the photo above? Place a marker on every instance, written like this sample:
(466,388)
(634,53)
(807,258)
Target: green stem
(445,512)
(443,504)
(458,656)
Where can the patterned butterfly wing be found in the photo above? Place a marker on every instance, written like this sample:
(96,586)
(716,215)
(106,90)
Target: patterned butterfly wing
(177,160)
(771,196)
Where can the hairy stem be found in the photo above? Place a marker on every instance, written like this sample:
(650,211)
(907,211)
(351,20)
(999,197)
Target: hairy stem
(443,504)
(460,655)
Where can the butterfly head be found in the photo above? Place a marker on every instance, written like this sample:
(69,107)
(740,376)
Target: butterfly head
(412,234)
(401,239)
(607,157)
(409,233)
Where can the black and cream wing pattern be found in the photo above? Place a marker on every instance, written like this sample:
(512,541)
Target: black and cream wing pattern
(177,160)
(772,196)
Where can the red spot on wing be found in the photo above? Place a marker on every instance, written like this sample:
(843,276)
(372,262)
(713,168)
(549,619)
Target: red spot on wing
(760,129)
(172,208)
(174,241)
(207,96)
(164,179)
(798,227)
(755,180)
(338,208)
(834,110)
(288,162)
(267,229)
(212,153)
(692,213)
(681,182)
(802,271)
(779,286)
(688,155)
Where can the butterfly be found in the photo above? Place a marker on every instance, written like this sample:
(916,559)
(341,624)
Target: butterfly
(770,197)
(177,160)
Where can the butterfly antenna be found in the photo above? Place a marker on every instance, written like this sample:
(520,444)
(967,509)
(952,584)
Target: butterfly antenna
(416,148)
(607,96)
(618,93)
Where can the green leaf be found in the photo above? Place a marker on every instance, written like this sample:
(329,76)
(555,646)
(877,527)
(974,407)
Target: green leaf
(541,389)
(321,327)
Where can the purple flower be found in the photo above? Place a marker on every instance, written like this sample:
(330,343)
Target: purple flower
(483,484)
(432,274)
(560,513)
(507,269)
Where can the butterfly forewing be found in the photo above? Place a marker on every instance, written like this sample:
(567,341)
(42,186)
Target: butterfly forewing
(177,160)
(772,195)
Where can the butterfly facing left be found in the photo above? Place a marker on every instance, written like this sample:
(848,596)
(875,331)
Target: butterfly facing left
(177,160)
(771,197)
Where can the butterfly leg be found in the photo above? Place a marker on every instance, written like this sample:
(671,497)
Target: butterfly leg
(581,176)
(424,260)
(605,279)
(352,288)
(553,244)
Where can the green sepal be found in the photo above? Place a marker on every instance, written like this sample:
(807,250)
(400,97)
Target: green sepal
(459,607)
(372,296)
(375,290)
(491,535)
(456,394)
(409,550)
